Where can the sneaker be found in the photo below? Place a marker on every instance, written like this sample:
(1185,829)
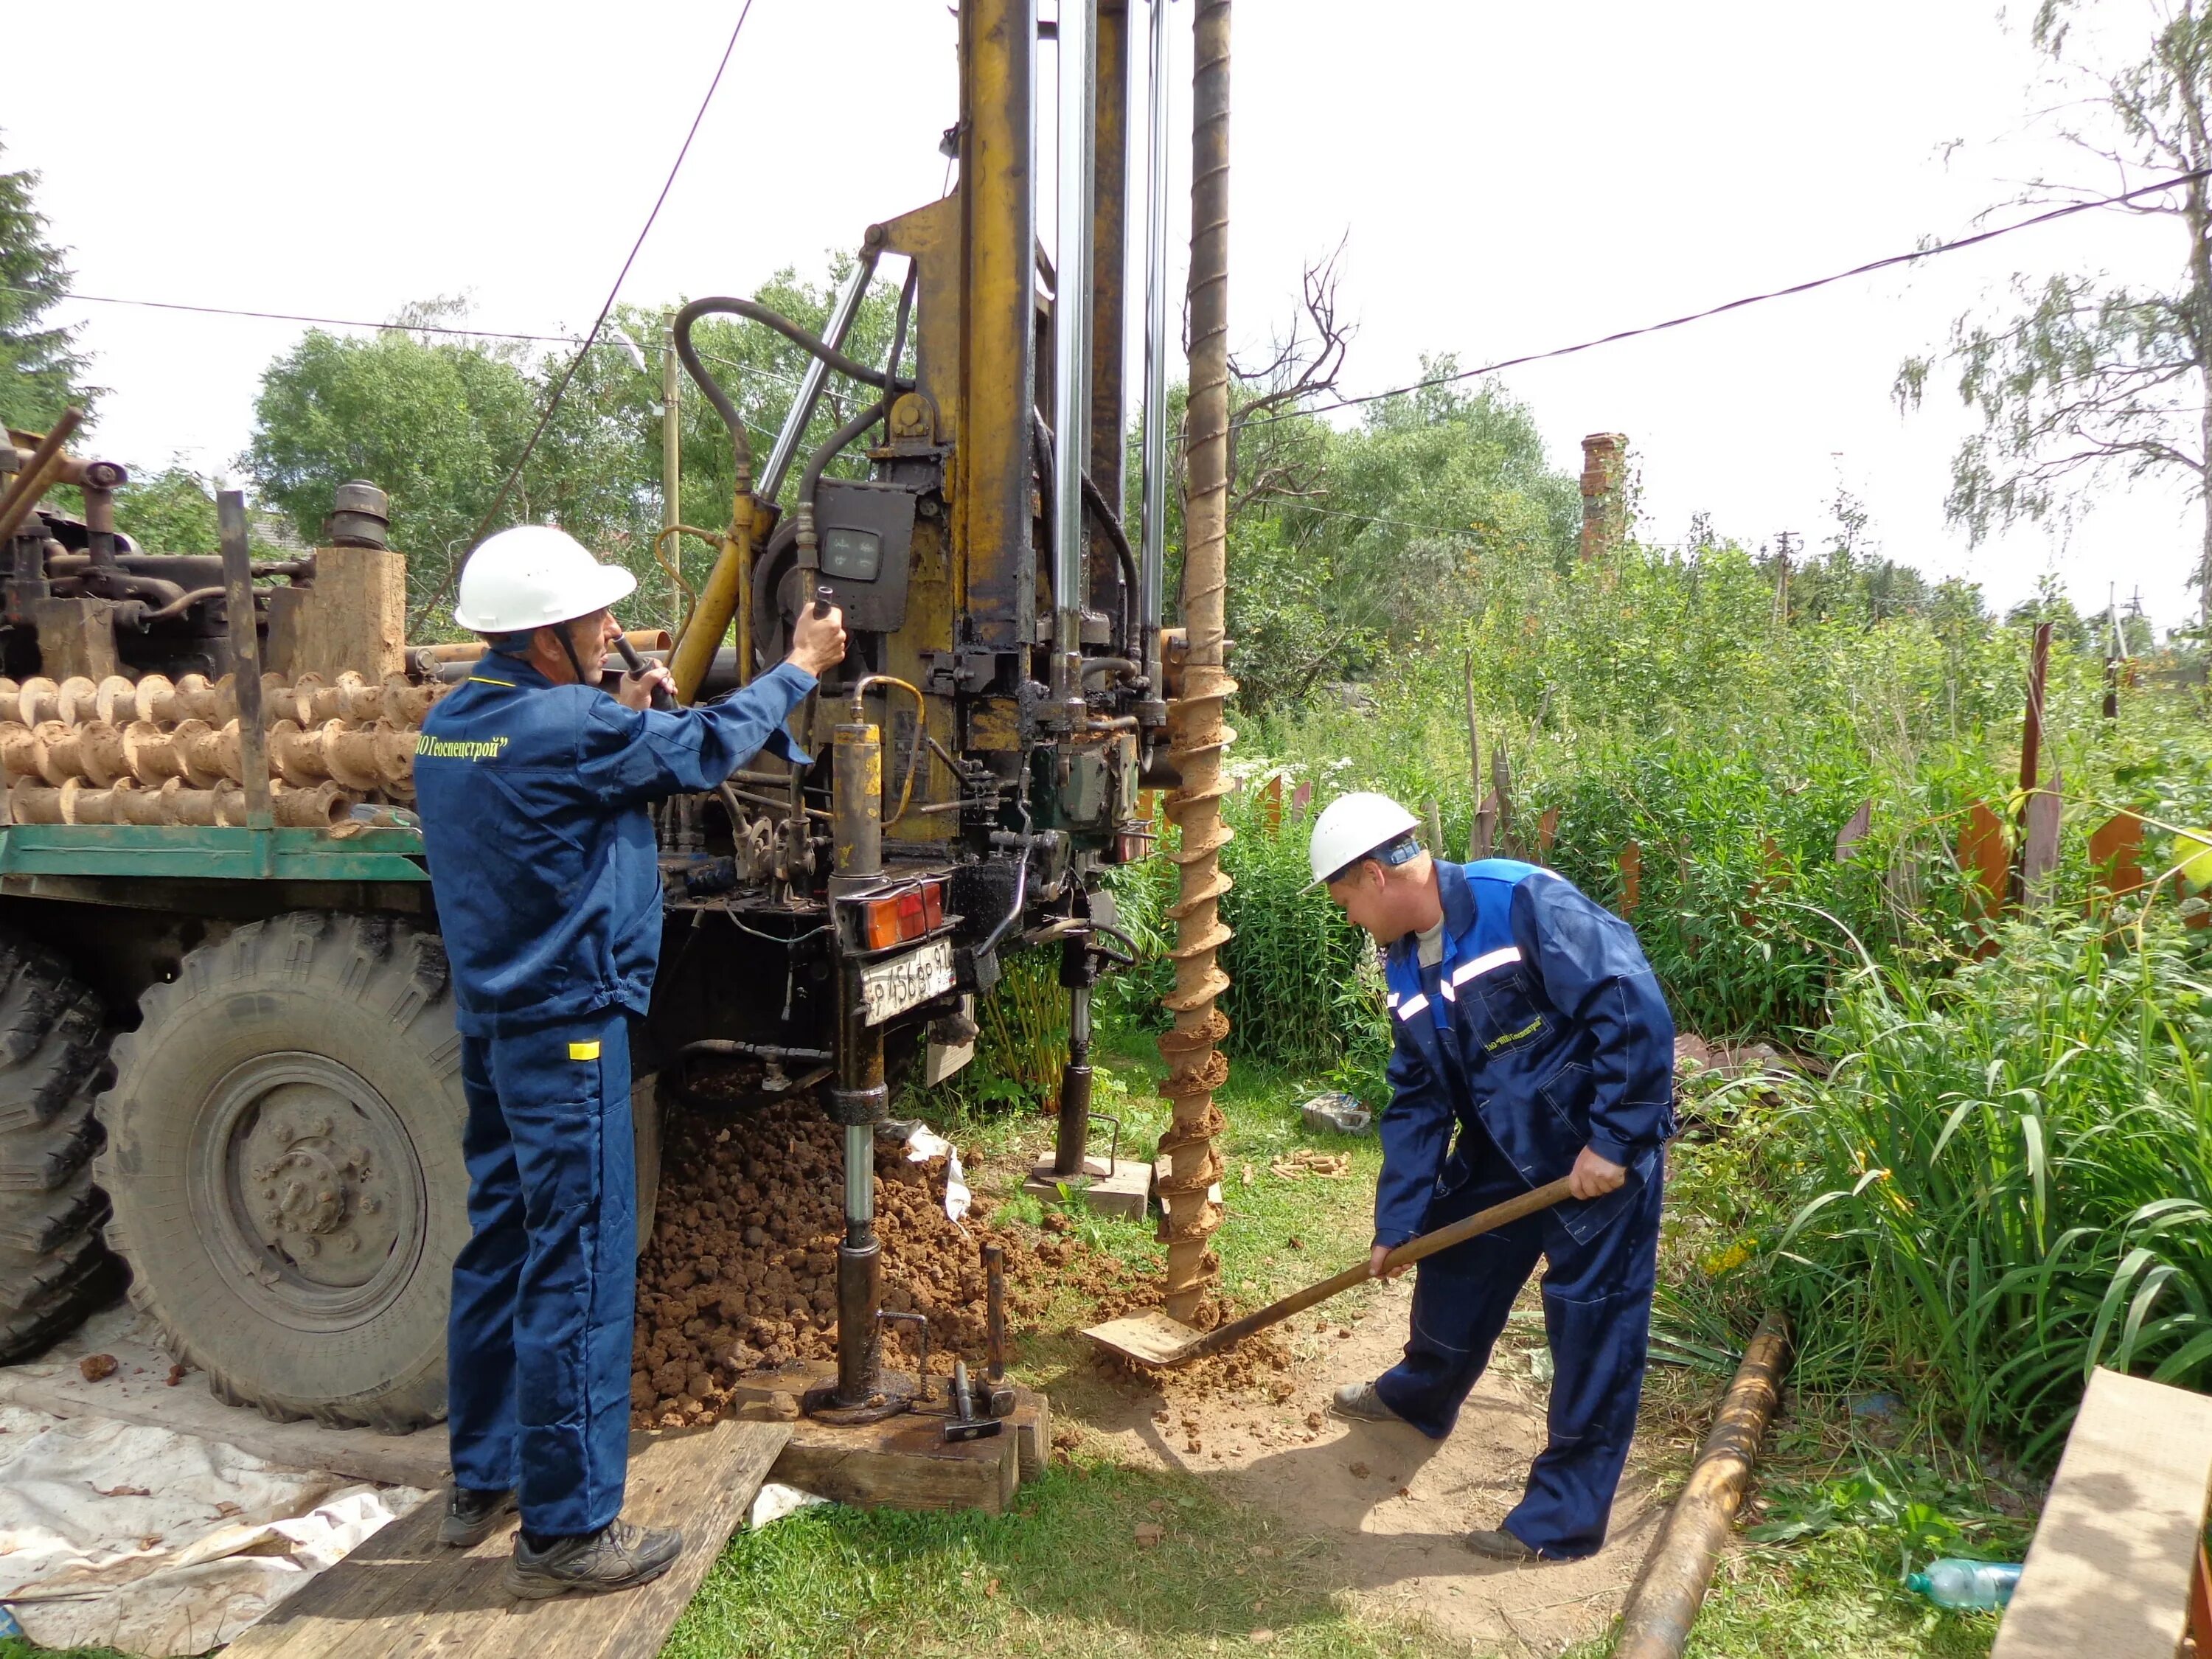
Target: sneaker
(1500,1546)
(1360,1402)
(472,1516)
(618,1557)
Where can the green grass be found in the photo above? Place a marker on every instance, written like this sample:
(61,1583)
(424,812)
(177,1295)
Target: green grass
(1063,1575)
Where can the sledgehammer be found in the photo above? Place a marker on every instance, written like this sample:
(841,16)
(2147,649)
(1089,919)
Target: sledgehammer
(1153,1339)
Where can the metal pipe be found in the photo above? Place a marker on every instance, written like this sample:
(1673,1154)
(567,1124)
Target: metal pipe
(672,464)
(37,475)
(244,660)
(1664,1601)
(817,376)
(1114,591)
(1196,733)
(1075,1080)
(1154,507)
(1072,345)
(994,1310)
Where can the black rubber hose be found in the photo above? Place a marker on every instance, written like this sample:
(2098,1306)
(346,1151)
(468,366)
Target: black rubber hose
(835,444)
(1095,499)
(753,311)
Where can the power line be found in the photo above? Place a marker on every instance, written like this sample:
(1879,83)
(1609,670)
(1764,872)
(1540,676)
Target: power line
(295,317)
(1869,267)
(553,402)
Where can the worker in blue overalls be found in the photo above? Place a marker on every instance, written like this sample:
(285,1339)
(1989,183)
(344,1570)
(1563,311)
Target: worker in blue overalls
(1527,1015)
(532,783)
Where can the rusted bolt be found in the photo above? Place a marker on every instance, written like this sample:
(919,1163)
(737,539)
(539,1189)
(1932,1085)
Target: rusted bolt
(308,1245)
(370,1204)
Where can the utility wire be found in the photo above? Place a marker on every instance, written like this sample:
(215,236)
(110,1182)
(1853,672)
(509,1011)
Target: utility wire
(553,402)
(1871,265)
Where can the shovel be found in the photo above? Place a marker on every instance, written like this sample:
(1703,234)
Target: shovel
(1152,1339)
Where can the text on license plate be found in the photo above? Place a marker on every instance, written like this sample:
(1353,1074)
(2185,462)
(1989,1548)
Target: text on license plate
(903,982)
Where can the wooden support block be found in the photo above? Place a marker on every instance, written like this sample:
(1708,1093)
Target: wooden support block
(355,616)
(404,1593)
(904,1462)
(2110,1571)
(75,637)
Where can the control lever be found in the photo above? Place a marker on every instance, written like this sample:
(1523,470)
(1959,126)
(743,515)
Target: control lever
(662,698)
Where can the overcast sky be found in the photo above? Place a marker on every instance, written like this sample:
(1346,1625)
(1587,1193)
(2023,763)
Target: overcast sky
(1506,178)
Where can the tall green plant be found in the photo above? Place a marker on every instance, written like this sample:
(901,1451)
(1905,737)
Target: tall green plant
(2008,1178)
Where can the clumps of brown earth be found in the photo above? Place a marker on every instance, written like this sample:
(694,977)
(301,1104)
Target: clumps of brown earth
(741,1272)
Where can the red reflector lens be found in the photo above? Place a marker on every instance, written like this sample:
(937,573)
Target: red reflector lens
(882,923)
(933,905)
(910,922)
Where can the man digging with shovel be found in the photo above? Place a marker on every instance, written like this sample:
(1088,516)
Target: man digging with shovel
(1528,1015)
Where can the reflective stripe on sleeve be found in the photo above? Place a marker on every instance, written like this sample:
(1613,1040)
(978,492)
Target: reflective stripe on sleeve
(584,1050)
(1412,1004)
(1488,962)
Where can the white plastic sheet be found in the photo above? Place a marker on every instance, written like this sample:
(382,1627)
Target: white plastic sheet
(112,1534)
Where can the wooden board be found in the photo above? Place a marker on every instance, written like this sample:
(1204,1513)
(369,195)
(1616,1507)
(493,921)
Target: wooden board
(2109,1571)
(904,1462)
(404,1593)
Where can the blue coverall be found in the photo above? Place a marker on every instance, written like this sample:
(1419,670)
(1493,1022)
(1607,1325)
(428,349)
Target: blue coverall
(543,867)
(1541,1031)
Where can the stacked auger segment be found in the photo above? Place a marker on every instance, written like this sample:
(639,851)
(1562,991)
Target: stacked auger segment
(1196,736)
(153,750)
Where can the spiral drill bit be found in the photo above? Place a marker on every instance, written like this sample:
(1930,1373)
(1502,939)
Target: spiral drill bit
(1196,735)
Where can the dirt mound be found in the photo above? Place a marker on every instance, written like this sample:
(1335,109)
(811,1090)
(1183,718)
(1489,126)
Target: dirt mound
(741,1272)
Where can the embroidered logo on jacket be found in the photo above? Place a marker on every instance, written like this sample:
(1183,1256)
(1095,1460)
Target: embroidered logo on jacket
(467,748)
(1512,1037)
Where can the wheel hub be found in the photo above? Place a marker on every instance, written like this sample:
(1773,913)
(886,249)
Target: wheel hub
(315,1186)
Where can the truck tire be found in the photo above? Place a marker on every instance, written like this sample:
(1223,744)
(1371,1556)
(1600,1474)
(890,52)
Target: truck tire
(54,1269)
(284,1160)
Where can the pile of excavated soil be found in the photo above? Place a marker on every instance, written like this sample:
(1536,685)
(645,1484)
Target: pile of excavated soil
(741,1272)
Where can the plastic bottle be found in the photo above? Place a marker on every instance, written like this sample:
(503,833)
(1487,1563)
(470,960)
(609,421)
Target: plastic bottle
(1951,1582)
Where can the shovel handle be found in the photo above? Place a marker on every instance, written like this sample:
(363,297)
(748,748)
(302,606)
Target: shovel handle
(1404,1256)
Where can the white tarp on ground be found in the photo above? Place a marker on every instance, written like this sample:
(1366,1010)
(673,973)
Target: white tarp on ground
(159,1543)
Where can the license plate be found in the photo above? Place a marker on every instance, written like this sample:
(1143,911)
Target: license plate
(908,981)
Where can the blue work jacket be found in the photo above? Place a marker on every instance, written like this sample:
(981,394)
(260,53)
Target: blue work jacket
(542,856)
(1546,1026)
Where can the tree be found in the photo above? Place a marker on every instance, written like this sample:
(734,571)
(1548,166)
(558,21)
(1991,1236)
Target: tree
(436,426)
(2090,381)
(172,512)
(39,364)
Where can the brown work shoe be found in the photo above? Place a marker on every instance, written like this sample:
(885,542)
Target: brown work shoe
(1499,1545)
(618,1557)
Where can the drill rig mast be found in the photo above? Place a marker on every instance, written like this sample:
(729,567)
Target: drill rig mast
(1003,694)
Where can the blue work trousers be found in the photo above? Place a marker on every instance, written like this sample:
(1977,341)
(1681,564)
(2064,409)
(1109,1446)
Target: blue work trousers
(1597,1317)
(539,1348)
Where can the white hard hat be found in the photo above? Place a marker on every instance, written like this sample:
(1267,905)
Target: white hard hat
(1351,826)
(533,575)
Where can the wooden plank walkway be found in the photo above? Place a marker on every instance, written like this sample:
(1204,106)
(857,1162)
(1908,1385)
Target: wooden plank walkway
(403,1592)
(2109,1571)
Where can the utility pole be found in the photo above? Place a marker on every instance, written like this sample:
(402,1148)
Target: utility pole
(1786,543)
(671,485)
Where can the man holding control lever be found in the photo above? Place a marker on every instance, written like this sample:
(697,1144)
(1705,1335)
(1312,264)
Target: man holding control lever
(532,781)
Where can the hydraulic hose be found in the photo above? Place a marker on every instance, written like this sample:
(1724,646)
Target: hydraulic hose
(753,311)
(835,444)
(1102,513)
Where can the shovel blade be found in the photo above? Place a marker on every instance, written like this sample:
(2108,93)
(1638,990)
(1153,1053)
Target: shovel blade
(1149,1338)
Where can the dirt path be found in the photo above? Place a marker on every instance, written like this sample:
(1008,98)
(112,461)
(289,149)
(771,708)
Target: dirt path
(1387,1507)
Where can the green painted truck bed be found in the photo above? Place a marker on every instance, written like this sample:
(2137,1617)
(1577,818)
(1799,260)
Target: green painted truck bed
(163,851)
